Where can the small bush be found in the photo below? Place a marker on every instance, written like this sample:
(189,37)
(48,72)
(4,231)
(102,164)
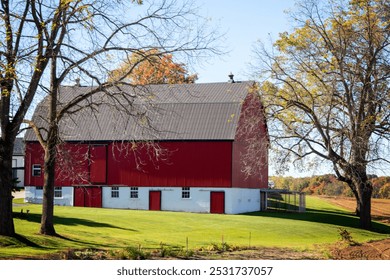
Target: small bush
(222,247)
(167,251)
(87,254)
(132,253)
(347,237)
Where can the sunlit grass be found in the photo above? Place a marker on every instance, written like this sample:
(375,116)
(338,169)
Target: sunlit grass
(112,229)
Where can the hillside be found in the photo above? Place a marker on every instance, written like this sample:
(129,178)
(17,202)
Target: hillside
(330,186)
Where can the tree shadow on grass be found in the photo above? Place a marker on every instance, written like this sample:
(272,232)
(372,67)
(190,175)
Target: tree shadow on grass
(36,218)
(26,241)
(337,218)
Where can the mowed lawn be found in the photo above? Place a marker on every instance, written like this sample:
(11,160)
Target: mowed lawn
(114,229)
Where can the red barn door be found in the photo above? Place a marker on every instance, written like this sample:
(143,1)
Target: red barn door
(93,197)
(88,197)
(98,164)
(79,196)
(155,200)
(217,202)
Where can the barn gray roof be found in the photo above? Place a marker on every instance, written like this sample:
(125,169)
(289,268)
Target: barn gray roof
(156,112)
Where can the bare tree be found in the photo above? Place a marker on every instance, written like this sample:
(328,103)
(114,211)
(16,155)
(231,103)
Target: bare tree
(327,94)
(23,59)
(87,40)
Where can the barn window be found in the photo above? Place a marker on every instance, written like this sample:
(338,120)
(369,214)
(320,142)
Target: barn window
(134,192)
(36,170)
(185,192)
(39,188)
(114,191)
(58,192)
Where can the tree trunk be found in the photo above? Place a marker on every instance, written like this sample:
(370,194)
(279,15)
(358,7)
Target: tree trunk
(356,194)
(365,206)
(363,188)
(47,219)
(6,217)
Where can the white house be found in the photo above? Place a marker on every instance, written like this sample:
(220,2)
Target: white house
(18,162)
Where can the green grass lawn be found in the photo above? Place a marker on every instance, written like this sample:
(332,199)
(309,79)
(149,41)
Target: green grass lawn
(113,229)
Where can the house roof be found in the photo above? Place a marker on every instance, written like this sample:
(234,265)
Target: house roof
(155,112)
(18,147)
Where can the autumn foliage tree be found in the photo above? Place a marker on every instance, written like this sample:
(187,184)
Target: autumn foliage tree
(329,185)
(327,92)
(153,67)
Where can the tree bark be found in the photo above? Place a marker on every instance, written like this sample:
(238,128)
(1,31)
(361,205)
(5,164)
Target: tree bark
(356,194)
(363,192)
(47,220)
(6,216)
(47,223)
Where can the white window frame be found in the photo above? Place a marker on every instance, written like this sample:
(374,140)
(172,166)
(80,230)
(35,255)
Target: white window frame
(36,168)
(57,192)
(114,192)
(185,193)
(134,192)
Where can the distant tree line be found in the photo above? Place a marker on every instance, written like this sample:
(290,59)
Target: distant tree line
(329,185)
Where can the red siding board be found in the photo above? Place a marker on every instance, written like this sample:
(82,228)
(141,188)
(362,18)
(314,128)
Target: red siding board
(188,164)
(250,148)
(183,164)
(33,155)
(79,195)
(72,165)
(98,164)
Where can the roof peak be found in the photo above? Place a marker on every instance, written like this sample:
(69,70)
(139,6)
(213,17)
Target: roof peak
(167,85)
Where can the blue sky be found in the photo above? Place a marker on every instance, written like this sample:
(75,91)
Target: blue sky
(244,22)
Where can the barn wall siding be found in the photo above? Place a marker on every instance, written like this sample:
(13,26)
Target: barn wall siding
(182,164)
(98,164)
(236,200)
(34,195)
(171,199)
(250,147)
(33,155)
(124,201)
(72,166)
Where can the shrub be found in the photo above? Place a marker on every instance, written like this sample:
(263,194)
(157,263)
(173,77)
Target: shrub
(132,253)
(347,237)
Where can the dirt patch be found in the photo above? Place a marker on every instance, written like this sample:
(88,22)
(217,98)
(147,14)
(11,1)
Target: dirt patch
(262,254)
(239,254)
(380,208)
(375,250)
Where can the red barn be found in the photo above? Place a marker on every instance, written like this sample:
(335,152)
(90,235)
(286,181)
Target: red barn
(189,147)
